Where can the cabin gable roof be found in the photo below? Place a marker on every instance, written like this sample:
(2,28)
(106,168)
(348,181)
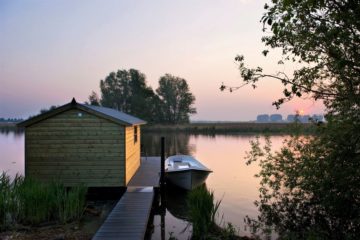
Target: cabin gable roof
(110,114)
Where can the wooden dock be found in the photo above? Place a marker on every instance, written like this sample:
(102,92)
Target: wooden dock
(129,218)
(148,174)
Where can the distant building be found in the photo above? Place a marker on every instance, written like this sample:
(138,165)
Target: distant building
(276,118)
(318,118)
(262,118)
(304,118)
(291,118)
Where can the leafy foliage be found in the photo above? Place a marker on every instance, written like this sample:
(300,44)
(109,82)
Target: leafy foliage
(127,91)
(310,188)
(176,98)
(44,110)
(321,35)
(94,99)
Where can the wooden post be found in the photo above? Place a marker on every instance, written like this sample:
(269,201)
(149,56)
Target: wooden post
(162,172)
(162,223)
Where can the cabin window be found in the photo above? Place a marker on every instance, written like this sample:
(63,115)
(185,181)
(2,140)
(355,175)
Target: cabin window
(135,134)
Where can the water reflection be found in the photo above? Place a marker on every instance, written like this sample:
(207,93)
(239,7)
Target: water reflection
(232,180)
(6,130)
(173,219)
(12,153)
(166,226)
(175,144)
(176,202)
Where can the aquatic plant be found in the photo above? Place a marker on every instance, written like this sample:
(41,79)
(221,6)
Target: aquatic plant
(228,232)
(36,202)
(202,211)
(71,203)
(30,202)
(4,200)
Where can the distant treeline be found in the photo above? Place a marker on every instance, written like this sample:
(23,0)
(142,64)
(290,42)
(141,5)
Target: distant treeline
(10,120)
(233,128)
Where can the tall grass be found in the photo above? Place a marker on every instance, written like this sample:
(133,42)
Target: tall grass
(202,211)
(5,200)
(70,204)
(36,202)
(31,202)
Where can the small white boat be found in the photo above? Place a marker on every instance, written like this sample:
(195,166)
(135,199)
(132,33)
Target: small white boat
(185,171)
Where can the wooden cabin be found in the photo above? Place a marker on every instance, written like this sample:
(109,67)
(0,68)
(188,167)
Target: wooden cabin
(82,144)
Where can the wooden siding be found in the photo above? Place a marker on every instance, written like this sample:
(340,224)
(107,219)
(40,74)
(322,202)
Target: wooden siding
(132,152)
(76,149)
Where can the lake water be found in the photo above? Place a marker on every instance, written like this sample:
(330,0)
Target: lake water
(232,181)
(12,153)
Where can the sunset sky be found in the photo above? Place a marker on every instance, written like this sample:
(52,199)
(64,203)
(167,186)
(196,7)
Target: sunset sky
(51,51)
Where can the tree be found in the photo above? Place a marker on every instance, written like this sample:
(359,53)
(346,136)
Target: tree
(115,90)
(311,187)
(127,91)
(142,100)
(44,110)
(94,99)
(324,37)
(177,100)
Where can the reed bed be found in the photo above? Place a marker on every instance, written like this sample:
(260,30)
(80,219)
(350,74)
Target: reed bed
(30,202)
(203,213)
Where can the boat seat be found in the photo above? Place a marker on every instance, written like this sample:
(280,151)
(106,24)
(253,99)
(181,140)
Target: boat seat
(181,165)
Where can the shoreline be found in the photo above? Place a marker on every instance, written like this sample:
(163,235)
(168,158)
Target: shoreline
(232,128)
(212,128)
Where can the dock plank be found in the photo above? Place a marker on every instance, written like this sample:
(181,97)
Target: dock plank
(129,218)
(148,173)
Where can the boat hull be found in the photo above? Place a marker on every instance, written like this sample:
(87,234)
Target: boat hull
(187,179)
